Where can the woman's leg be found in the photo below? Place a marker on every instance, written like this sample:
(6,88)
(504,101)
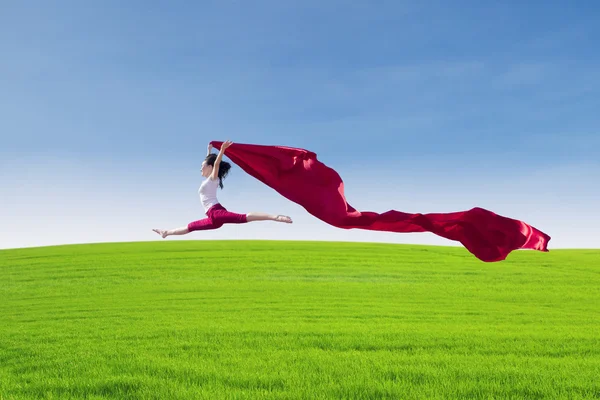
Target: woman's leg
(177,231)
(200,225)
(257,216)
(203,225)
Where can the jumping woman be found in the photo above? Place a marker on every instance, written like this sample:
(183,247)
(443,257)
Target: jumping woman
(215,170)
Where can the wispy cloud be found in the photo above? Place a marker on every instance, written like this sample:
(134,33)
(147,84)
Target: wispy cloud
(527,74)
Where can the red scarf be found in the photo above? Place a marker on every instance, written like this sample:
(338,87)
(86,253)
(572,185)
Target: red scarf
(297,175)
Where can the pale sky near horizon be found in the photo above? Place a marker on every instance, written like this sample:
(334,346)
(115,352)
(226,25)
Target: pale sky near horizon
(421,106)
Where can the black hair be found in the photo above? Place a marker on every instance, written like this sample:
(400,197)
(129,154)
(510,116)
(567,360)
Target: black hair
(224,167)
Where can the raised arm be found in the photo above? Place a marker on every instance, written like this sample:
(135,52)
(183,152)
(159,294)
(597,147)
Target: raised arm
(210,147)
(215,172)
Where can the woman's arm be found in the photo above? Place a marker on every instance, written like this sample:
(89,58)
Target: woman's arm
(215,172)
(209,149)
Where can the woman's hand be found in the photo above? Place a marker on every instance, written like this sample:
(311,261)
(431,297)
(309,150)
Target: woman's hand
(226,145)
(209,148)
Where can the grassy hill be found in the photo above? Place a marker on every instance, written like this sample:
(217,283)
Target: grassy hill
(287,320)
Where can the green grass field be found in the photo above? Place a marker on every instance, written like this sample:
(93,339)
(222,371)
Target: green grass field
(297,320)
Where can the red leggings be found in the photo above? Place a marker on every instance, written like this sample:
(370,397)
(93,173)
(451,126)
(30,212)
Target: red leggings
(217,216)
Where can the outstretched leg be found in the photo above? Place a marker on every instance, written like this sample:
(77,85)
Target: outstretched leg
(177,231)
(256,216)
(200,225)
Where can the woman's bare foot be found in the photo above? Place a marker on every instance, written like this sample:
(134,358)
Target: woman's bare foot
(283,218)
(161,232)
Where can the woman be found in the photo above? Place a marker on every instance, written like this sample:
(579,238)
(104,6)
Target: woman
(215,170)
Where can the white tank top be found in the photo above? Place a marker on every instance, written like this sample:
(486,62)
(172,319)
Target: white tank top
(208,193)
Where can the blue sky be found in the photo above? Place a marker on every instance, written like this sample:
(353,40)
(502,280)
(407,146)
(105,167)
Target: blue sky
(106,110)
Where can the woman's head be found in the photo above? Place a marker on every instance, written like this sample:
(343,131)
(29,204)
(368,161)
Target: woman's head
(208,165)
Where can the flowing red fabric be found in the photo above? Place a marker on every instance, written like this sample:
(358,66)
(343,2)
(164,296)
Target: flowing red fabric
(297,175)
